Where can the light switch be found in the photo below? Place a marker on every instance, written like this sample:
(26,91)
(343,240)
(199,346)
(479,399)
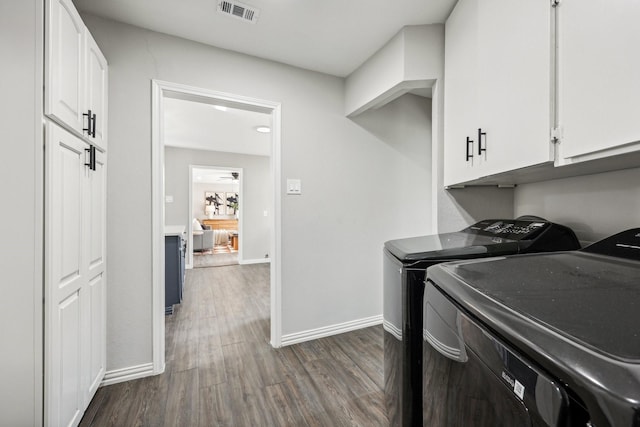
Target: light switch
(168,199)
(294,186)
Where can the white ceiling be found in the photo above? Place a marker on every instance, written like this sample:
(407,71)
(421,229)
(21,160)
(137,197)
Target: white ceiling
(329,36)
(197,125)
(214,176)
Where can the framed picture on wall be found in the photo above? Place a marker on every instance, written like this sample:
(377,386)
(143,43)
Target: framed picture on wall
(219,203)
(215,202)
(232,203)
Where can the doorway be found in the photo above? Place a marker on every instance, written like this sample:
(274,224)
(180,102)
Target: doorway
(161,92)
(215,232)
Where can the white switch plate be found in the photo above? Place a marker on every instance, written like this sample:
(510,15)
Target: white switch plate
(294,186)
(168,199)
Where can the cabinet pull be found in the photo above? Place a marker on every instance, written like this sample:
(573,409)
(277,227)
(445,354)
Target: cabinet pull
(480,135)
(88,163)
(88,128)
(91,123)
(93,126)
(92,157)
(469,155)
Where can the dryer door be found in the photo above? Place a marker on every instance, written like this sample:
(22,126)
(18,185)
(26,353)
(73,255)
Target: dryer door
(471,378)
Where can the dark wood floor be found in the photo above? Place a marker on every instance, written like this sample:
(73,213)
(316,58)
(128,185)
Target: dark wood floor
(221,370)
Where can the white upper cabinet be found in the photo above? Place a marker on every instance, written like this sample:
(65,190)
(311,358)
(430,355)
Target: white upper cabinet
(514,74)
(76,74)
(599,78)
(497,88)
(96,90)
(460,112)
(64,95)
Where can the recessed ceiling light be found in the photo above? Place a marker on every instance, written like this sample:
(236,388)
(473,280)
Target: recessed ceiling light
(263,129)
(220,107)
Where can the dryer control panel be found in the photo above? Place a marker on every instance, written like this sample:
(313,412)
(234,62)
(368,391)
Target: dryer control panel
(622,245)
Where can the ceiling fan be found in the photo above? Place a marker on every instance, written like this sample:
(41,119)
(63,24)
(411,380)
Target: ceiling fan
(234,177)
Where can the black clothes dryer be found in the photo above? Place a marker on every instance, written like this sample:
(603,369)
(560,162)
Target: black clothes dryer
(535,340)
(404,265)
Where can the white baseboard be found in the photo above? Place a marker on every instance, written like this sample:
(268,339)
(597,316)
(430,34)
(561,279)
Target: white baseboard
(127,374)
(255,261)
(326,331)
(392,329)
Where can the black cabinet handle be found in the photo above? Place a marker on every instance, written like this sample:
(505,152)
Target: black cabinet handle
(469,155)
(92,157)
(88,116)
(480,135)
(93,125)
(90,151)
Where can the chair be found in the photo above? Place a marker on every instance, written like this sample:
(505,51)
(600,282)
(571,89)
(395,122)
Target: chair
(203,238)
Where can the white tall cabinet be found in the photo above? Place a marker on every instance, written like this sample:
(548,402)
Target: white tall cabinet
(76,81)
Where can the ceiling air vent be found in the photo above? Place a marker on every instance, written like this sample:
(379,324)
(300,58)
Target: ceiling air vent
(239,10)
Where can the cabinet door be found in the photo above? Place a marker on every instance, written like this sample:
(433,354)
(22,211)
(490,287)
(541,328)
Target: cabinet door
(66,277)
(514,85)
(64,94)
(96,90)
(599,76)
(460,111)
(497,88)
(95,248)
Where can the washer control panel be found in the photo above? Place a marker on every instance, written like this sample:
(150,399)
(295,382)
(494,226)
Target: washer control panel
(508,229)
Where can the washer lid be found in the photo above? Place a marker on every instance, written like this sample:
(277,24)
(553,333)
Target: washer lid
(489,237)
(589,298)
(447,246)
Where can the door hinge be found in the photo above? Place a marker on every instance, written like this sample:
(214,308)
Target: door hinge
(556,134)
(555,3)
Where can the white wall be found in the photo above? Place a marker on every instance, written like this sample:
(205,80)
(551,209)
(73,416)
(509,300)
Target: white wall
(256,194)
(595,206)
(332,234)
(384,70)
(21,220)
(405,126)
(459,208)
(413,58)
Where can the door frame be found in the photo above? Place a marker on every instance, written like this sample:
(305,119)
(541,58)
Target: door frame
(159,90)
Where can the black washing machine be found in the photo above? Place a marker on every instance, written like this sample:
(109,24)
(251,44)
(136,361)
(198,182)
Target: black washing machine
(535,340)
(404,265)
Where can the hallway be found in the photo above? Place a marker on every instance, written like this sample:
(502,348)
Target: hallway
(221,370)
